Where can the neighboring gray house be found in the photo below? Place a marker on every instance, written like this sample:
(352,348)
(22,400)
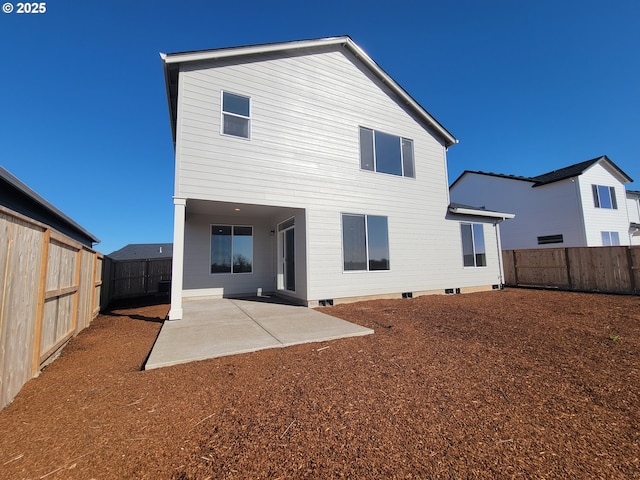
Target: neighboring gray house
(302,168)
(20,198)
(143,251)
(582,205)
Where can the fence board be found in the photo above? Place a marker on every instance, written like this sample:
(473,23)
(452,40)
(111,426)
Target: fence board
(597,269)
(634,261)
(47,286)
(542,267)
(135,278)
(20,251)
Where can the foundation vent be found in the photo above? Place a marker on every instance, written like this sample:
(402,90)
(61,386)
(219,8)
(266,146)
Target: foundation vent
(407,294)
(326,303)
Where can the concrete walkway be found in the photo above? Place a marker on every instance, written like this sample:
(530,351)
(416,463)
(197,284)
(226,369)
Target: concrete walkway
(215,328)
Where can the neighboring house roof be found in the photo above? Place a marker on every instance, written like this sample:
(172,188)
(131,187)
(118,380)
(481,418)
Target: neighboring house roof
(143,251)
(556,175)
(575,170)
(171,63)
(17,196)
(461,209)
(634,193)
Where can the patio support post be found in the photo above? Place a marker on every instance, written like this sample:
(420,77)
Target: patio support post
(180,207)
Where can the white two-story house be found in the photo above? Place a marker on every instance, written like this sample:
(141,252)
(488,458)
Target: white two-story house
(303,169)
(582,205)
(633,210)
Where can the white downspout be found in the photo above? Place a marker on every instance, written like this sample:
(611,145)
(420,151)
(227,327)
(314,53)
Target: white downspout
(496,226)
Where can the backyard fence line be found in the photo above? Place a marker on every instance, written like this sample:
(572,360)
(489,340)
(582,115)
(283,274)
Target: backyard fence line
(49,291)
(136,278)
(587,269)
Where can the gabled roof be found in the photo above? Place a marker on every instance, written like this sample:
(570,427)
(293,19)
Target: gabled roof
(17,196)
(555,175)
(143,251)
(575,170)
(171,64)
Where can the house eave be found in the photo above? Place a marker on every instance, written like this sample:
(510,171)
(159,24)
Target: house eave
(27,192)
(479,212)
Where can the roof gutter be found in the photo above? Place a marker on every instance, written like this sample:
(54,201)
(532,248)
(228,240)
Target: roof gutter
(398,90)
(35,197)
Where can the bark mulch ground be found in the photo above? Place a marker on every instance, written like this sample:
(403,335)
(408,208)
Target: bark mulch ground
(504,384)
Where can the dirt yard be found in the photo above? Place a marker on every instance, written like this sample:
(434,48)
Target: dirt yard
(510,384)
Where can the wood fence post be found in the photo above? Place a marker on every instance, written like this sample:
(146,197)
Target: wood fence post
(42,290)
(76,295)
(632,278)
(568,265)
(515,267)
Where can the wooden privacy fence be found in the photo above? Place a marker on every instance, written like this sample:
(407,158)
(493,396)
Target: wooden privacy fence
(136,278)
(590,269)
(49,291)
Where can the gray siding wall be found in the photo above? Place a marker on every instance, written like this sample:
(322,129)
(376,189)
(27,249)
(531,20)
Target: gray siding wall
(551,209)
(304,153)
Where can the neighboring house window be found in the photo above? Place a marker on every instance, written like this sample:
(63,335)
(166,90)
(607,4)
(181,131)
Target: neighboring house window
(610,239)
(473,249)
(231,249)
(386,153)
(365,242)
(546,239)
(236,115)
(604,197)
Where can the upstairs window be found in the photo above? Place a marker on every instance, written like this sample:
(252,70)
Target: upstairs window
(474,253)
(236,116)
(385,153)
(610,239)
(604,197)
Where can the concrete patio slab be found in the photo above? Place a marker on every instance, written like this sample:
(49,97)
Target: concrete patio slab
(218,327)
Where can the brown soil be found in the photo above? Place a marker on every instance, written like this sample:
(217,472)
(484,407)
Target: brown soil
(511,384)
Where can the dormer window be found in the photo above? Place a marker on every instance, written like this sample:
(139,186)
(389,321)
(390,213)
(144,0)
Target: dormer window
(385,153)
(236,115)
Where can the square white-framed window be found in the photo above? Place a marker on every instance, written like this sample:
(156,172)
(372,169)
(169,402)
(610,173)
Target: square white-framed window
(610,239)
(604,197)
(474,253)
(386,153)
(365,242)
(231,249)
(236,115)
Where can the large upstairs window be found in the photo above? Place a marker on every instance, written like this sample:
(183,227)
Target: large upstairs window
(385,153)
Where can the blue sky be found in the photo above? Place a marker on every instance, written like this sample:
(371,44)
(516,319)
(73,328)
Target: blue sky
(527,87)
